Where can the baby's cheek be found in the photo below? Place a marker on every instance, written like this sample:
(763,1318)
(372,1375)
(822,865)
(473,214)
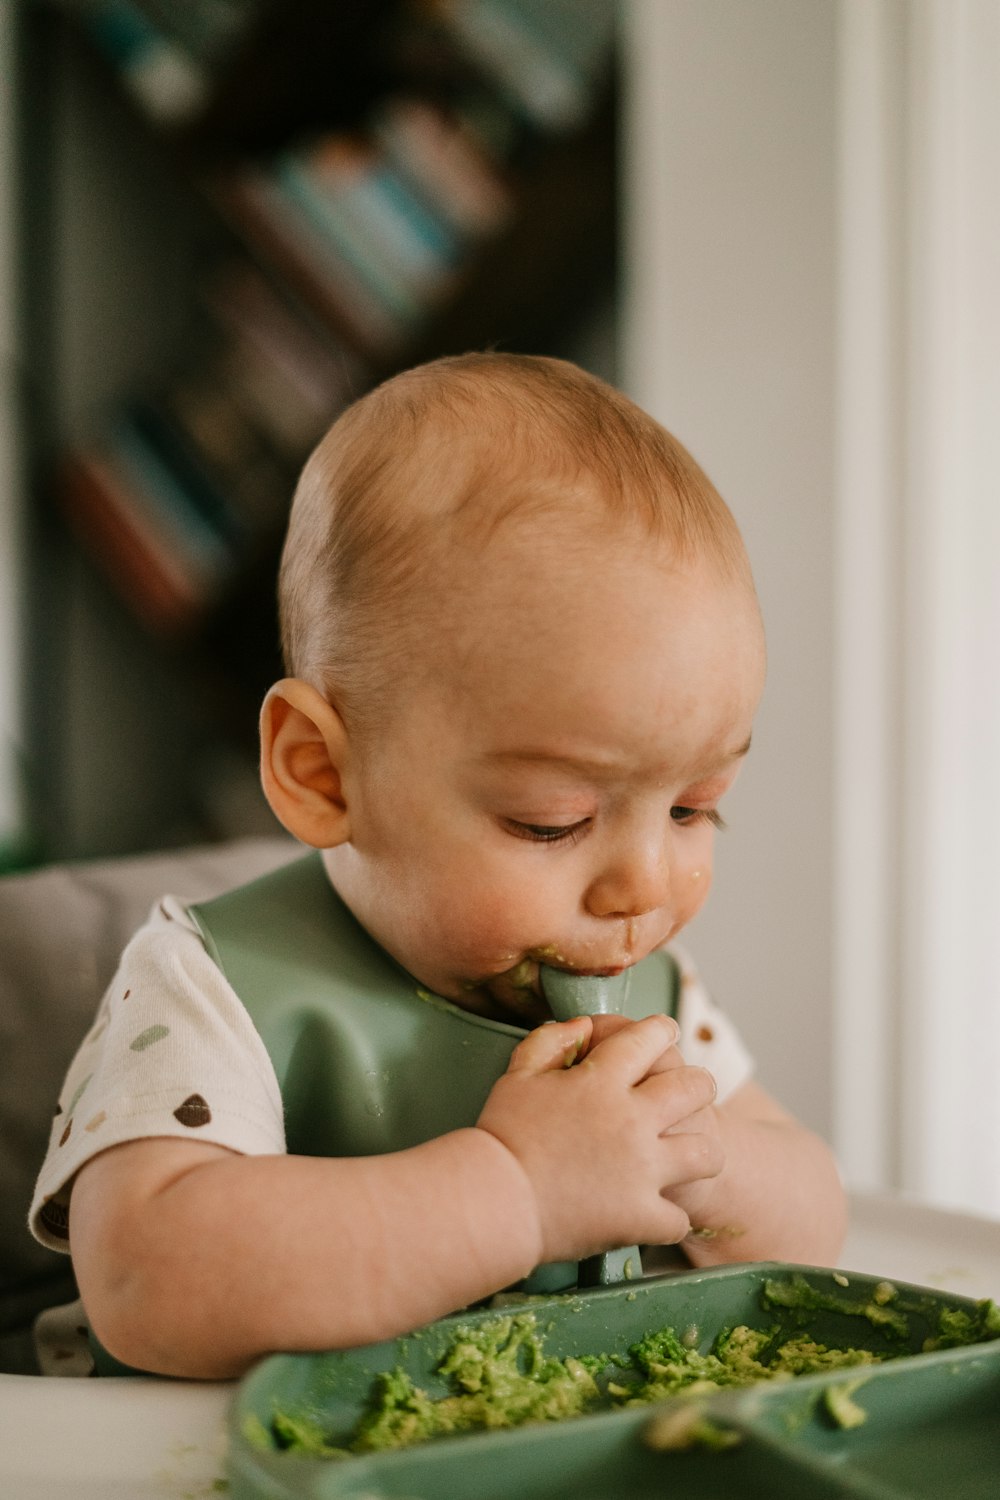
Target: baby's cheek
(695,891)
(494,910)
(495,932)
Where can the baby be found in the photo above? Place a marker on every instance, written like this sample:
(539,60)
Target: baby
(525,655)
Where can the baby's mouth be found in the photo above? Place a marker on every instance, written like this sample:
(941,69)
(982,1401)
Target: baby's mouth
(519,991)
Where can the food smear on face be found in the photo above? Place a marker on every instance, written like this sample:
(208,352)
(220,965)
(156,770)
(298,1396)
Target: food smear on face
(500,1376)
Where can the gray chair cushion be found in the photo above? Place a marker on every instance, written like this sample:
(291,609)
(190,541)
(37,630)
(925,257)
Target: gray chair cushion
(62,930)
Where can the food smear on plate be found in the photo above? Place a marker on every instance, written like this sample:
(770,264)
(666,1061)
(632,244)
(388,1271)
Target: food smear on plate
(499,1374)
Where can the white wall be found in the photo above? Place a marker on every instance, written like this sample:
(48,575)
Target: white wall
(728,338)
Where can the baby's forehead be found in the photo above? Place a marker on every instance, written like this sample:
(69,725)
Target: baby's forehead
(545,539)
(539,582)
(541,642)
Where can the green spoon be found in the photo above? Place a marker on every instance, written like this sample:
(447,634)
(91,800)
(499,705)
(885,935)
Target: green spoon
(570,995)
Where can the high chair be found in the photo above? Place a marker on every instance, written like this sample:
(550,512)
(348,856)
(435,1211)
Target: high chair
(62,929)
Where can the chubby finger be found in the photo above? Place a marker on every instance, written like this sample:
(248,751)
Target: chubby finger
(558,1044)
(691,1156)
(630,1052)
(667,1061)
(606,1025)
(664,1223)
(679,1092)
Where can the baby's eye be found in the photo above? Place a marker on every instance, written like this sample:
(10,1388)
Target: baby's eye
(689,815)
(546,833)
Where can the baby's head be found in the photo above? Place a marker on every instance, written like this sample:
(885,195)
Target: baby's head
(524,654)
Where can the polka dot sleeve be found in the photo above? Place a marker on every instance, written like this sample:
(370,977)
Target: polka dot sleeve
(172,1052)
(708,1038)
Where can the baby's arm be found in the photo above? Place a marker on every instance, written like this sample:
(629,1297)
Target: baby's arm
(193,1260)
(779,1195)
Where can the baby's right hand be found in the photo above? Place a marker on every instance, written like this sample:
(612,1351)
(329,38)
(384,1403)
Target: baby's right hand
(591,1137)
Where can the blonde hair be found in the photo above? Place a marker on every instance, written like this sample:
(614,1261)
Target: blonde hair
(450,450)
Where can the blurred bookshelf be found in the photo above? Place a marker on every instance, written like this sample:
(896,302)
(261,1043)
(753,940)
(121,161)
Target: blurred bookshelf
(293,200)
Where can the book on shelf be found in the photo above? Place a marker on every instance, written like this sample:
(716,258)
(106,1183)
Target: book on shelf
(243,74)
(273,228)
(126,542)
(340,236)
(214,424)
(171,478)
(172,55)
(146,505)
(188,490)
(545,58)
(208,30)
(304,378)
(433,149)
(356,185)
(579,32)
(169,82)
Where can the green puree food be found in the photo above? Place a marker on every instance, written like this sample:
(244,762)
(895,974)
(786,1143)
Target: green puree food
(500,1375)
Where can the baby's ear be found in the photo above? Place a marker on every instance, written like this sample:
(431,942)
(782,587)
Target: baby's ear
(303,758)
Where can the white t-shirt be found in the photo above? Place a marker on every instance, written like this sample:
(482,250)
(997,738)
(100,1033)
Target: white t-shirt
(173,1052)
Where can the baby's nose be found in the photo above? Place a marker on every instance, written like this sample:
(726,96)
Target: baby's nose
(636,882)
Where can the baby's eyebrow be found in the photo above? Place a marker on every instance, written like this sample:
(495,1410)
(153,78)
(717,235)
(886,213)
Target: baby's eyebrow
(728,756)
(591,766)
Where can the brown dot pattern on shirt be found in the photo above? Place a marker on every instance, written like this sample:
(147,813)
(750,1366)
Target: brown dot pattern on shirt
(126,994)
(55,1217)
(194,1112)
(96,1122)
(65,1135)
(705,1034)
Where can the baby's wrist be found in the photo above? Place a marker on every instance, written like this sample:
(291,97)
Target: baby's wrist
(518,1215)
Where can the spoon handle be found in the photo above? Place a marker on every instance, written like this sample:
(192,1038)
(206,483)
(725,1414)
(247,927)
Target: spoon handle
(570,995)
(611,1268)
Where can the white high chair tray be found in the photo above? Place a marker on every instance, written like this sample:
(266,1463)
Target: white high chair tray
(65,1439)
(111,1439)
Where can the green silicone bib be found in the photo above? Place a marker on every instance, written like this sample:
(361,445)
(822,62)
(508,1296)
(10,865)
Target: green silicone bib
(366,1059)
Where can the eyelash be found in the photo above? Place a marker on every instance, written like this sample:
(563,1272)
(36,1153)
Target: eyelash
(540,833)
(690,815)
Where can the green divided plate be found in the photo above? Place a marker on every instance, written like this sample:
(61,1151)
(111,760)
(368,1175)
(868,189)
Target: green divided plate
(931,1420)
